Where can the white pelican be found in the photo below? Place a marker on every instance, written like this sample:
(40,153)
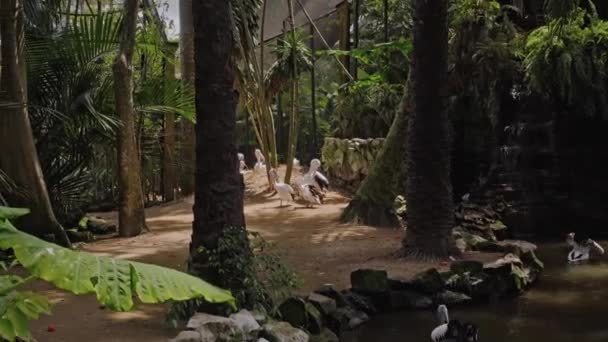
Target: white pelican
(285,191)
(452,330)
(260,166)
(581,248)
(314,177)
(242,165)
(308,192)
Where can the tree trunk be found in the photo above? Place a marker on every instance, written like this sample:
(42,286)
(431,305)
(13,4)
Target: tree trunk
(430,208)
(218,197)
(292,140)
(187,139)
(19,158)
(131,216)
(169,169)
(374,200)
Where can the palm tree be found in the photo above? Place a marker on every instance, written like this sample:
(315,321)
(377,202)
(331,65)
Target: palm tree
(430,208)
(19,158)
(131,216)
(218,197)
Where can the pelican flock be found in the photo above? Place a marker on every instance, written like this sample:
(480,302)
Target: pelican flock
(315,178)
(260,165)
(581,248)
(285,191)
(308,193)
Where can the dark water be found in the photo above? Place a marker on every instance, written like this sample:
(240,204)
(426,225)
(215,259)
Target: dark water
(569,303)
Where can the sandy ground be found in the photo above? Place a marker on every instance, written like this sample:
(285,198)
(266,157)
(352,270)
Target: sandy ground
(313,242)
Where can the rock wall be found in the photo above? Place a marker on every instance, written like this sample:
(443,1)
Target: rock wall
(348,161)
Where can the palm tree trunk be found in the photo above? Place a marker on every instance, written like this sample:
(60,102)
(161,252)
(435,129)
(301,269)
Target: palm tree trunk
(430,208)
(187,139)
(218,197)
(131,216)
(292,140)
(169,169)
(19,159)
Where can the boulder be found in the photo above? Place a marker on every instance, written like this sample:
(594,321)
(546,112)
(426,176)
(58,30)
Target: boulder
(187,336)
(360,302)
(466,266)
(328,290)
(508,274)
(429,281)
(400,300)
(78,236)
(221,328)
(314,319)
(293,311)
(369,281)
(283,332)
(100,227)
(450,298)
(247,323)
(325,336)
(517,247)
(475,286)
(324,304)
(346,318)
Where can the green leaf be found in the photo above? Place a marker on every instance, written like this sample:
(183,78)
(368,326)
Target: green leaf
(32,304)
(12,213)
(115,282)
(7,331)
(18,320)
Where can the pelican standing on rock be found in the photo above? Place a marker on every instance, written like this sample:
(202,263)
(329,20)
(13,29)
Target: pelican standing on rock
(285,191)
(452,330)
(581,248)
(315,178)
(260,166)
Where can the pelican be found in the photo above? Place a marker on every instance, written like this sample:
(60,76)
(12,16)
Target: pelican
(315,178)
(261,164)
(308,192)
(452,330)
(242,165)
(581,248)
(296,163)
(285,191)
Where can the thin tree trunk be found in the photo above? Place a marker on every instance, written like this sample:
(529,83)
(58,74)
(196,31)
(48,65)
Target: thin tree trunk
(293,120)
(373,203)
(187,141)
(131,216)
(169,170)
(430,208)
(19,158)
(218,198)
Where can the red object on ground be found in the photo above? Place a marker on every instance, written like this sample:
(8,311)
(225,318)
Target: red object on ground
(50,328)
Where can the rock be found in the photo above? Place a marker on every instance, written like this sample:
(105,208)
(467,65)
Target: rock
(429,281)
(222,328)
(517,247)
(508,274)
(325,336)
(475,286)
(498,225)
(369,281)
(324,304)
(314,319)
(328,290)
(464,266)
(400,285)
(450,298)
(260,317)
(360,302)
(100,227)
(283,332)
(262,340)
(461,245)
(293,311)
(400,300)
(530,259)
(246,321)
(489,246)
(187,336)
(346,319)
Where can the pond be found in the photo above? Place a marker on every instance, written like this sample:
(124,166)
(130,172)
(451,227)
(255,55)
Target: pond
(568,303)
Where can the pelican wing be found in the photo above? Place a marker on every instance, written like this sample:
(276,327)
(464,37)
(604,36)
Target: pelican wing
(440,333)
(321,180)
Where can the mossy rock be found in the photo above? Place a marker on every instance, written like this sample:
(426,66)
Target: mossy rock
(466,266)
(293,310)
(369,281)
(429,281)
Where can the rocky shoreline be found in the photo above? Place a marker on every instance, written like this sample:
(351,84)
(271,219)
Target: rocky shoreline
(325,314)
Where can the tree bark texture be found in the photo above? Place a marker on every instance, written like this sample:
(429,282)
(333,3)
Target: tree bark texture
(169,165)
(218,197)
(373,203)
(19,158)
(131,216)
(187,133)
(430,208)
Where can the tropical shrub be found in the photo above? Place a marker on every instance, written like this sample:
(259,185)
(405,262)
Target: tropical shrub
(115,282)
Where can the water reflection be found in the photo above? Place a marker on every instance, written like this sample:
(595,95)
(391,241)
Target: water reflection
(567,304)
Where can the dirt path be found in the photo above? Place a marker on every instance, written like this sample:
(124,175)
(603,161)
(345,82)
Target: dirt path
(320,249)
